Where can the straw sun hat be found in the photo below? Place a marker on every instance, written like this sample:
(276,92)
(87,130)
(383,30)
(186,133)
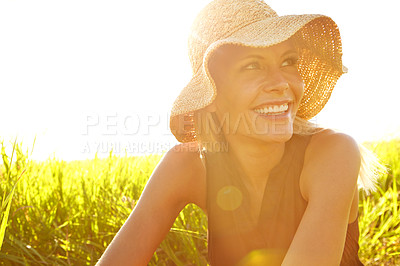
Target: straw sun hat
(253,23)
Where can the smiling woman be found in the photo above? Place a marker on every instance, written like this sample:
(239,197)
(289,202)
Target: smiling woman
(284,192)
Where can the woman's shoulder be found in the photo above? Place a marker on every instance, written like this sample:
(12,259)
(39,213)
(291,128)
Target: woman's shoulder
(187,155)
(184,160)
(330,153)
(329,138)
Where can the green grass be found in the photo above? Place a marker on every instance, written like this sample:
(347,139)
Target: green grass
(379,213)
(66,213)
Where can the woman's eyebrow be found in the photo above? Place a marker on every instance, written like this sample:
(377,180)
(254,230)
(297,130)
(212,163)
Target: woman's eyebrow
(252,56)
(291,51)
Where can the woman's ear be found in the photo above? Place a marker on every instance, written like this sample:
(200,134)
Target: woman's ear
(211,107)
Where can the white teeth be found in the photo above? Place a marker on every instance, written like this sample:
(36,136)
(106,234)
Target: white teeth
(273,109)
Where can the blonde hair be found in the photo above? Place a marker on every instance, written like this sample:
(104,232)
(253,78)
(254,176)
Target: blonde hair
(209,137)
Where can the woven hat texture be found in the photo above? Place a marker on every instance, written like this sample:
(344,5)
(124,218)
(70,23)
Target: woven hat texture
(253,23)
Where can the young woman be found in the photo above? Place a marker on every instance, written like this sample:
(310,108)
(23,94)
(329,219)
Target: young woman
(277,189)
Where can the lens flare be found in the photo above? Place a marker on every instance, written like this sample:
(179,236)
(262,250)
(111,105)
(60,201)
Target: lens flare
(229,198)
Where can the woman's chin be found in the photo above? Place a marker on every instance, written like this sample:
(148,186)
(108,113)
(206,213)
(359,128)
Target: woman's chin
(280,133)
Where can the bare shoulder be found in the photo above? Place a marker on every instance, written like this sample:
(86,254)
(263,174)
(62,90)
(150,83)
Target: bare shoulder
(184,160)
(330,141)
(332,160)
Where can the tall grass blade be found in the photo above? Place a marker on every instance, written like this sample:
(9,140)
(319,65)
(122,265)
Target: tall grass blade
(4,220)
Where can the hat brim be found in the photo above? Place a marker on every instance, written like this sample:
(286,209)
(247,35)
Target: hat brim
(320,65)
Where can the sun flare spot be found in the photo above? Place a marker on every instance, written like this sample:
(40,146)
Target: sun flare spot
(263,257)
(229,198)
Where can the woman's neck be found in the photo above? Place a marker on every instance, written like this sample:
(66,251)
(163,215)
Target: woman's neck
(256,157)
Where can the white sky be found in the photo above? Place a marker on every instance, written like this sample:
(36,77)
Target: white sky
(67,64)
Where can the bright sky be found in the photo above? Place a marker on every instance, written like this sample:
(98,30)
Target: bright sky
(86,76)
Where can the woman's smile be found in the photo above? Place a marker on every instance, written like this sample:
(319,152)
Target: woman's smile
(274,111)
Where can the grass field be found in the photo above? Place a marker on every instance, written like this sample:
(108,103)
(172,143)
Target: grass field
(66,213)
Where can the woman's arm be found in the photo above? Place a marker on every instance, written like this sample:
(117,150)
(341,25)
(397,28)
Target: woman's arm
(167,192)
(328,182)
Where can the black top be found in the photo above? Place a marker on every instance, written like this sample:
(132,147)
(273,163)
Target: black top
(234,238)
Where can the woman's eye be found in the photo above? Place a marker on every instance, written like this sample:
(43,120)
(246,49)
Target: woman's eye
(292,61)
(252,66)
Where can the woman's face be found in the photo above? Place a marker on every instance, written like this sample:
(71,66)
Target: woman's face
(258,90)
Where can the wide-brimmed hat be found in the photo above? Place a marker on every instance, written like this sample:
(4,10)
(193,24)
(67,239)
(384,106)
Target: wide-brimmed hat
(253,23)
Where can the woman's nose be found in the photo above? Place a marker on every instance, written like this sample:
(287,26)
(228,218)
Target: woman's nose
(275,83)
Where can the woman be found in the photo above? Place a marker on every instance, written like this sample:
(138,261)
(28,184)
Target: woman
(277,190)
